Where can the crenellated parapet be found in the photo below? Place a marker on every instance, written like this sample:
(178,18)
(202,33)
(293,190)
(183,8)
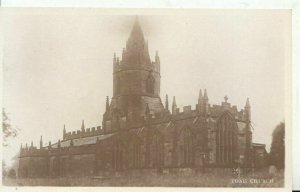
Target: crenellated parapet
(203,108)
(86,132)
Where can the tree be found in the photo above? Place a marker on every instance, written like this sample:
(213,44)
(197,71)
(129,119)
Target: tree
(277,152)
(8,130)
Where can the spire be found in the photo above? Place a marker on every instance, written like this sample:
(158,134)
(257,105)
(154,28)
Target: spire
(136,47)
(205,95)
(82,126)
(58,143)
(248,111)
(174,101)
(49,146)
(167,103)
(41,142)
(64,132)
(107,104)
(136,32)
(174,106)
(203,102)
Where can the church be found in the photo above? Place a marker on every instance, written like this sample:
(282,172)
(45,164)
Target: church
(140,132)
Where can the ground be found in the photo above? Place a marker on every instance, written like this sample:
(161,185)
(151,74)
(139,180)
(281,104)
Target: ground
(258,179)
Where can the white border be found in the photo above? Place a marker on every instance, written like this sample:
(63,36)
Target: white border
(212,4)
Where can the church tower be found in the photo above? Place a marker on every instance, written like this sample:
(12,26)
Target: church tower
(136,79)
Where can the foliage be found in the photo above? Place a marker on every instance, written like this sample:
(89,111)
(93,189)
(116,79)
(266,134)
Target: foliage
(277,152)
(8,130)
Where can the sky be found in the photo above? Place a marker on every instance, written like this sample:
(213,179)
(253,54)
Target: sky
(57,64)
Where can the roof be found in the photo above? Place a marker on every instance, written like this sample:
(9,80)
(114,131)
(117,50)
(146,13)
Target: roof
(84,140)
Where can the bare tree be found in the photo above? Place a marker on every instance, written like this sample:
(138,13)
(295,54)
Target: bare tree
(8,130)
(278,147)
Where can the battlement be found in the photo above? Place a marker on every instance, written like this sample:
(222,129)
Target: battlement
(54,150)
(93,131)
(204,108)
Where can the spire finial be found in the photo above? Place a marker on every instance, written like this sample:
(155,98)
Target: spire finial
(115,59)
(174,101)
(200,95)
(82,125)
(167,102)
(64,132)
(174,106)
(41,142)
(205,94)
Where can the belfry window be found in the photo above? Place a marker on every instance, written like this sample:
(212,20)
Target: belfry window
(186,147)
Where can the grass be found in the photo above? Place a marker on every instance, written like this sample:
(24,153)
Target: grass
(261,179)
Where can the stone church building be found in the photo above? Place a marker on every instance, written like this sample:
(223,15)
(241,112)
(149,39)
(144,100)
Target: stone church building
(140,132)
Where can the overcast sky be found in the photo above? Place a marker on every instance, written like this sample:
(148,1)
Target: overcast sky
(58,64)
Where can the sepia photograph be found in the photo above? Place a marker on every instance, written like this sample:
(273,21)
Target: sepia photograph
(153,98)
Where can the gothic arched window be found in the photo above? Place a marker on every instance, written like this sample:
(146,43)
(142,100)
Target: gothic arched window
(186,147)
(226,139)
(150,84)
(119,155)
(156,151)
